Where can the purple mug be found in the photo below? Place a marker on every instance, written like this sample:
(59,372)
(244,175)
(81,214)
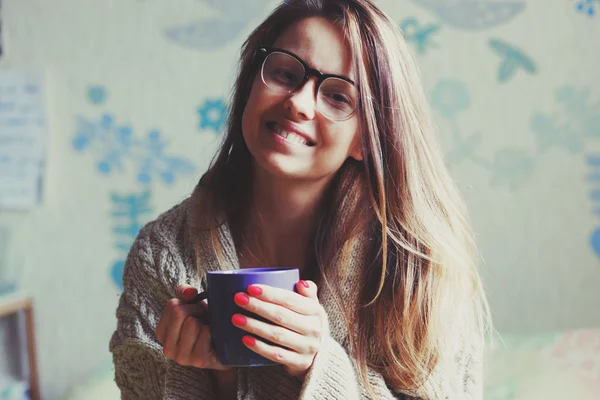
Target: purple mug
(221,288)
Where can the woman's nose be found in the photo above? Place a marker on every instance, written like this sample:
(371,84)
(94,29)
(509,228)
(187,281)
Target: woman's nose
(302,102)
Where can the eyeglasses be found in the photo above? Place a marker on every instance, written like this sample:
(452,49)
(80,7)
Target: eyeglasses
(283,72)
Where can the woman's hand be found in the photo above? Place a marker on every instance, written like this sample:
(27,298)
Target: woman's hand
(300,321)
(184,337)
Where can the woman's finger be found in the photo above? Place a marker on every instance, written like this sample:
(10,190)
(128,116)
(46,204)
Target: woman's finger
(203,353)
(292,360)
(186,292)
(286,298)
(277,334)
(190,332)
(307,289)
(177,316)
(275,313)
(173,318)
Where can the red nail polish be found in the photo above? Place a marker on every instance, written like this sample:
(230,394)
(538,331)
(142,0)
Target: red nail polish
(254,290)
(239,320)
(241,299)
(249,341)
(305,284)
(189,294)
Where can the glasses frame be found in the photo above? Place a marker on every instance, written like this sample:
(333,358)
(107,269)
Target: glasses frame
(261,54)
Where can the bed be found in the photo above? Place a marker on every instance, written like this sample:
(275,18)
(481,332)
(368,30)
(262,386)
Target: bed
(519,367)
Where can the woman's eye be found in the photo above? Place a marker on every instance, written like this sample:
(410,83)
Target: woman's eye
(339,98)
(286,76)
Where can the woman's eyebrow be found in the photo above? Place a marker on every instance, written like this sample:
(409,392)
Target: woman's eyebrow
(317,69)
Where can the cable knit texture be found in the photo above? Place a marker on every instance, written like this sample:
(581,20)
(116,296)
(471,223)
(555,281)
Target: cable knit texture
(163,257)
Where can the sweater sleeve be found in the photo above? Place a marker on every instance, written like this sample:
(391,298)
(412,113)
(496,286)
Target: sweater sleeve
(333,376)
(141,370)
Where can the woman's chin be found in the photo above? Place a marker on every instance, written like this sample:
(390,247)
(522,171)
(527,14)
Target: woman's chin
(283,169)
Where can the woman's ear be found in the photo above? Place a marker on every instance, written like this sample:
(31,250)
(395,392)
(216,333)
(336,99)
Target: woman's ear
(357,156)
(356,150)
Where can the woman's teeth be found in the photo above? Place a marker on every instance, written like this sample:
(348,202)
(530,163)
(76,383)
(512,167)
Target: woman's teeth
(291,136)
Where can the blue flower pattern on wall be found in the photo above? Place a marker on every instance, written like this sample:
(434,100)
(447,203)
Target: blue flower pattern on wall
(130,212)
(579,121)
(588,7)
(509,166)
(97,94)
(473,14)
(213,115)
(115,145)
(593,162)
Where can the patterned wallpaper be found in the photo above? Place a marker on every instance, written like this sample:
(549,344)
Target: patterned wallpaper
(137,101)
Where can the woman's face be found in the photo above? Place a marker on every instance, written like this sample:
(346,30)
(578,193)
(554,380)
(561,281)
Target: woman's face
(270,116)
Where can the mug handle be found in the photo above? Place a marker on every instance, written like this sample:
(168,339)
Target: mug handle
(199,297)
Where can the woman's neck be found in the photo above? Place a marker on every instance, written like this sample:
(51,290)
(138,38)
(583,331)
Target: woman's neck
(281,223)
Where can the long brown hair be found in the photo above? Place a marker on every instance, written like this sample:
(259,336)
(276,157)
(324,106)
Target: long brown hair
(421,289)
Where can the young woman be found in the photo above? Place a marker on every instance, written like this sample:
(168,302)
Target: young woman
(330,165)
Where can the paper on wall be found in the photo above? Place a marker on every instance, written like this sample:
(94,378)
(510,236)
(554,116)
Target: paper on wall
(22,138)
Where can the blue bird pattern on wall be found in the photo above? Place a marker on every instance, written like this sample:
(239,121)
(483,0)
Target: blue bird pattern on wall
(419,35)
(513,60)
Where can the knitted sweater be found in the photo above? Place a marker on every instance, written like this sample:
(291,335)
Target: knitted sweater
(162,257)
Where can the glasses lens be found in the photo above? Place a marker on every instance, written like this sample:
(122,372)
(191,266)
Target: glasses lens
(337,98)
(282,72)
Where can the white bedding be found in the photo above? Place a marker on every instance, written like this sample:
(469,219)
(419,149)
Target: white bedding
(534,367)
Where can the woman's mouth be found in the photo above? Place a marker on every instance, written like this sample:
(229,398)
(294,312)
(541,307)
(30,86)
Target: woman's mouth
(289,136)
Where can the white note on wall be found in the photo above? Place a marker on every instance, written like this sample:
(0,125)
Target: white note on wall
(22,138)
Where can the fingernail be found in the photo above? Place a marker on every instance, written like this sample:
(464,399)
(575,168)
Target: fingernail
(189,294)
(249,341)
(305,284)
(241,299)
(254,290)
(239,320)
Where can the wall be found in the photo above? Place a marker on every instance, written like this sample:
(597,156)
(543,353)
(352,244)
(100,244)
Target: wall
(513,84)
